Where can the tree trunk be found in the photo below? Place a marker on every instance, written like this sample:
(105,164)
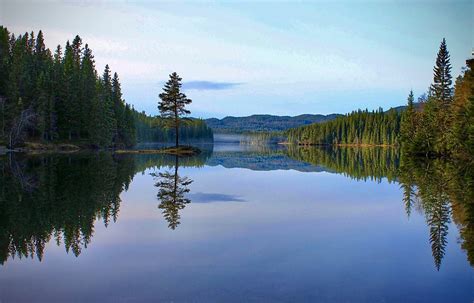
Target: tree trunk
(177,136)
(176,125)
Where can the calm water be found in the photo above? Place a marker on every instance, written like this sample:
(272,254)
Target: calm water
(236,224)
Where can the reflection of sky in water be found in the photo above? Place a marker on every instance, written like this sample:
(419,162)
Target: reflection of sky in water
(298,237)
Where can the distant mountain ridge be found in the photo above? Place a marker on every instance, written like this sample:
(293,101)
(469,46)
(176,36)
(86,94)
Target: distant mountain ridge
(256,123)
(264,122)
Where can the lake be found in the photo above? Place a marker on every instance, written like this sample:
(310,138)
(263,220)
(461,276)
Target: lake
(238,223)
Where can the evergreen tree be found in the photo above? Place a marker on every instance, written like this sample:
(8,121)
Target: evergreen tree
(119,110)
(461,114)
(173,103)
(64,99)
(108,114)
(442,79)
(408,125)
(4,69)
(89,91)
(357,128)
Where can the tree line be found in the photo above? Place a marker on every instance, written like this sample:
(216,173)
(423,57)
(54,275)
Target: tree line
(359,128)
(154,129)
(444,123)
(441,123)
(60,97)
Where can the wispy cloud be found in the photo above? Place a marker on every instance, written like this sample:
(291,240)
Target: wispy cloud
(213,197)
(209,85)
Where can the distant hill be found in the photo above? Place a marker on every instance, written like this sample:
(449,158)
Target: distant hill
(417,106)
(256,123)
(260,123)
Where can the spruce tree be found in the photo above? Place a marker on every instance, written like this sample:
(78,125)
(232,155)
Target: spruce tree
(119,110)
(173,104)
(109,118)
(89,90)
(4,70)
(66,97)
(442,80)
(407,124)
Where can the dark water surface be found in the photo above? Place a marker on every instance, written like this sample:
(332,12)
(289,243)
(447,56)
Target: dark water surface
(236,224)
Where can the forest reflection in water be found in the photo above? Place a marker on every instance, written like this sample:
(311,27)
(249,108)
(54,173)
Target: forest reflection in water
(440,189)
(59,197)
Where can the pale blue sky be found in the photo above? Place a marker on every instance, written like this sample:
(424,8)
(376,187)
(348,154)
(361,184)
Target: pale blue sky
(276,57)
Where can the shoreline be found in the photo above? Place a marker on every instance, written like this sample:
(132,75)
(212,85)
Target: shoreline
(179,151)
(38,148)
(339,145)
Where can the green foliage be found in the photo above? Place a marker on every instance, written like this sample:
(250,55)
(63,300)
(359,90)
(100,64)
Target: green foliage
(461,140)
(154,129)
(173,103)
(70,102)
(445,122)
(442,84)
(408,121)
(357,128)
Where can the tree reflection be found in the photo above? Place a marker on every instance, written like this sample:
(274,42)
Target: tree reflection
(57,197)
(360,163)
(442,190)
(172,194)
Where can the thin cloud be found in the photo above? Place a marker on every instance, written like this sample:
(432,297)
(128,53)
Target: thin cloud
(209,85)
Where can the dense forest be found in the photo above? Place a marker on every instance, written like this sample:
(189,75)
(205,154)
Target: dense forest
(441,123)
(153,129)
(444,126)
(359,128)
(60,97)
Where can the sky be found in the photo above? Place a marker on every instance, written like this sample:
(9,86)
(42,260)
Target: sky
(260,57)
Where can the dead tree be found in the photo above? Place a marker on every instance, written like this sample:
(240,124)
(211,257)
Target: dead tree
(19,126)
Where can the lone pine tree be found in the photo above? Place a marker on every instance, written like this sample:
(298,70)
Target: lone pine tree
(173,103)
(442,79)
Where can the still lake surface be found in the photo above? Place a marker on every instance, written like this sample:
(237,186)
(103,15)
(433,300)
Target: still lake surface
(236,224)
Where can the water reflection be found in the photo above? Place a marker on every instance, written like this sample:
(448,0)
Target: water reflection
(57,197)
(440,189)
(60,197)
(367,163)
(171,193)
